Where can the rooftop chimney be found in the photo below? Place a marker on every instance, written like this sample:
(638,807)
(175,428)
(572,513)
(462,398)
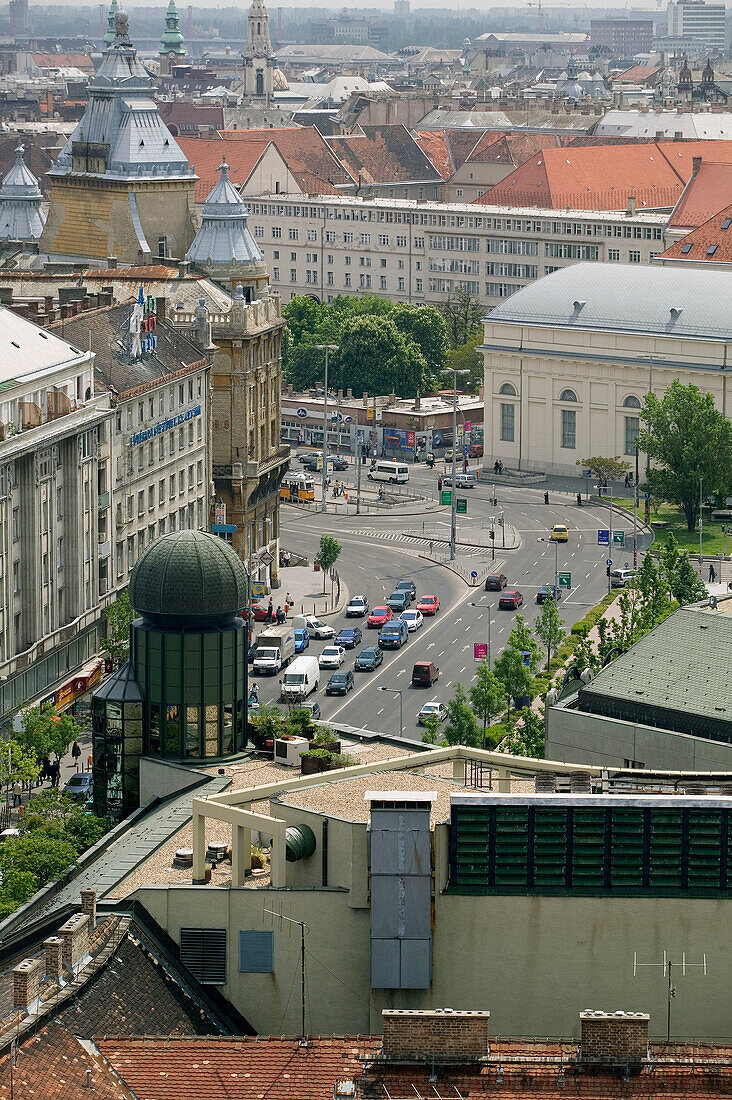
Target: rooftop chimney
(631,204)
(434,1035)
(75,938)
(89,905)
(613,1037)
(53,946)
(26,982)
(696,163)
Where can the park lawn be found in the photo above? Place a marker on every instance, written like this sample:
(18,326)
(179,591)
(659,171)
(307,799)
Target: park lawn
(714,542)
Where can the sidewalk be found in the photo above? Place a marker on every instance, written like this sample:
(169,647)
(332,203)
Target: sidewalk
(305,587)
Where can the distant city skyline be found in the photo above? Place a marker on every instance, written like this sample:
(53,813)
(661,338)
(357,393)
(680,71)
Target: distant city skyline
(425,5)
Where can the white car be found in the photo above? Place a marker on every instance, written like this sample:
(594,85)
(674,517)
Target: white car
(332,656)
(357,607)
(413,619)
(432,710)
(316,628)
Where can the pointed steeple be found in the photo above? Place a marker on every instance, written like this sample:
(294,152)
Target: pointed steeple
(224,238)
(21,217)
(109,36)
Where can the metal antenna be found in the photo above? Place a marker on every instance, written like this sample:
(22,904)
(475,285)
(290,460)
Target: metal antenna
(304,930)
(668,964)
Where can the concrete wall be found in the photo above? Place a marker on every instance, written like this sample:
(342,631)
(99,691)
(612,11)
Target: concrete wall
(161,778)
(594,739)
(534,962)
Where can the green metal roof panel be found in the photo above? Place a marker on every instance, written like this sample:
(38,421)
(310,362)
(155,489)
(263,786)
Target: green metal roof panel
(677,677)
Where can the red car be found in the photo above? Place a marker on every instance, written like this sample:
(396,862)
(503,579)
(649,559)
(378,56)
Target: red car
(259,614)
(511,598)
(429,605)
(380,615)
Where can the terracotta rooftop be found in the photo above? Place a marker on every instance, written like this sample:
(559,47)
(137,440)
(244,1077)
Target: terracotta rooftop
(708,243)
(433,144)
(152,271)
(53,1065)
(305,152)
(383,154)
(637,74)
(512,148)
(188,117)
(206,155)
(705,194)
(64,61)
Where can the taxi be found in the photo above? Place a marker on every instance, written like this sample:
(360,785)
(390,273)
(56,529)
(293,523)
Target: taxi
(560,533)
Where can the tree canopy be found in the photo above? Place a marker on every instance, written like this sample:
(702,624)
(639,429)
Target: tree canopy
(605,469)
(47,730)
(119,617)
(687,438)
(382,347)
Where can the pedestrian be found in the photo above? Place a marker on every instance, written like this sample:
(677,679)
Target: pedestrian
(17,793)
(627,481)
(495,467)
(280,615)
(89,761)
(500,466)
(45,769)
(288,599)
(712,574)
(270,611)
(465,466)
(55,772)
(76,753)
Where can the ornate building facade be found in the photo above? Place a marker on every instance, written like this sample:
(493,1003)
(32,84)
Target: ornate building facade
(172,49)
(259,59)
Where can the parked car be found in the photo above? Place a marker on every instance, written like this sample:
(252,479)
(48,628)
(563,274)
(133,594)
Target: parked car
(495,582)
(619,578)
(424,674)
(407,586)
(432,710)
(302,639)
(428,605)
(399,601)
(548,592)
(511,599)
(380,615)
(560,532)
(79,786)
(349,637)
(413,619)
(259,613)
(340,683)
(393,635)
(357,607)
(337,462)
(368,659)
(332,656)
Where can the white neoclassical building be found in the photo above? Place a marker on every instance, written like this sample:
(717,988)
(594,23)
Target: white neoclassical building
(569,359)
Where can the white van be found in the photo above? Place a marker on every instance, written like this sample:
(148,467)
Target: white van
(386,470)
(302,677)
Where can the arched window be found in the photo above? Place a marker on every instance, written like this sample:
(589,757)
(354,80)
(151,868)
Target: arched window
(508,389)
(568,395)
(631,402)
(260,82)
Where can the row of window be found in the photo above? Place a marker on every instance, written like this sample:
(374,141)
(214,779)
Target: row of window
(177,396)
(568,428)
(186,436)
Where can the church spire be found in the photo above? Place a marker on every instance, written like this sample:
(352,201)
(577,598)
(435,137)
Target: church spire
(172,49)
(259,60)
(111,30)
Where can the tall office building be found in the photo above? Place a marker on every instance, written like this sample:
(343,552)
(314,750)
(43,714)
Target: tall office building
(623,37)
(697,20)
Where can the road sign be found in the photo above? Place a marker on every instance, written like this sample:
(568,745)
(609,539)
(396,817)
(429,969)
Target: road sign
(462,506)
(302,413)
(266,558)
(259,588)
(526,657)
(220,512)
(587,473)
(465,450)
(480,651)
(646,496)
(223,528)
(609,561)
(618,538)
(446,497)
(474,576)
(348,420)
(565,580)
(603,538)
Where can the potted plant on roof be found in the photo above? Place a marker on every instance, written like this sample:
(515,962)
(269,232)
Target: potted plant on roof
(324,738)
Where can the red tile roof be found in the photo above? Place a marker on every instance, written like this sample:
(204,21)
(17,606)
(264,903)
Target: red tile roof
(52,1065)
(305,152)
(638,74)
(206,154)
(703,196)
(510,148)
(716,233)
(64,61)
(383,154)
(149,273)
(433,144)
(596,177)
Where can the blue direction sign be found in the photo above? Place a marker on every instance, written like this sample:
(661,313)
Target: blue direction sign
(474,576)
(603,538)
(223,528)
(609,561)
(302,413)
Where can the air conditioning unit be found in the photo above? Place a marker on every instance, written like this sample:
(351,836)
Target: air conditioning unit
(289,749)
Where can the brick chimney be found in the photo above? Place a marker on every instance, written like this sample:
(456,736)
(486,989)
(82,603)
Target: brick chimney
(75,939)
(612,1037)
(53,948)
(26,982)
(696,163)
(434,1035)
(89,906)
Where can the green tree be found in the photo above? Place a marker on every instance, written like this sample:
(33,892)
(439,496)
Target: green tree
(688,439)
(47,730)
(462,313)
(119,616)
(42,856)
(549,628)
(57,815)
(467,357)
(303,315)
(687,586)
(461,725)
(328,553)
(487,695)
(527,739)
(17,763)
(669,559)
(610,469)
(431,735)
(522,638)
(380,359)
(510,669)
(425,326)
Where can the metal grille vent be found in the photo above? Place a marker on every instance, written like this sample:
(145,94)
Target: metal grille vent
(203,952)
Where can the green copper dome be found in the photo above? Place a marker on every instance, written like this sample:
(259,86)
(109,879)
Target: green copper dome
(189,575)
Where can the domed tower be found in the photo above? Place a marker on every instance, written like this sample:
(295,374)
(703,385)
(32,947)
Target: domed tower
(182,695)
(259,59)
(21,217)
(172,49)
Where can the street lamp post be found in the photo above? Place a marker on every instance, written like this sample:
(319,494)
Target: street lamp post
(326,348)
(701,524)
(397,691)
(453,522)
(488,627)
(556,563)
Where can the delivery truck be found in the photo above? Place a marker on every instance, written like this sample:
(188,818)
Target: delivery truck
(275,649)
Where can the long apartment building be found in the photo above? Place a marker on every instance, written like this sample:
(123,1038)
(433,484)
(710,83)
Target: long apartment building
(419,252)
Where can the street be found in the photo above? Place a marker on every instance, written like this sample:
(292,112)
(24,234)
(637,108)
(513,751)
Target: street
(372,564)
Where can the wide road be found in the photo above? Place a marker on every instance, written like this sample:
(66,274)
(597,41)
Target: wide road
(372,564)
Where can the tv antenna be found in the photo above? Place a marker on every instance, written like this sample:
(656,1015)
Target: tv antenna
(668,964)
(304,930)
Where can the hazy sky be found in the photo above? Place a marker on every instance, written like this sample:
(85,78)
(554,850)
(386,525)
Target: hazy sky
(456,5)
